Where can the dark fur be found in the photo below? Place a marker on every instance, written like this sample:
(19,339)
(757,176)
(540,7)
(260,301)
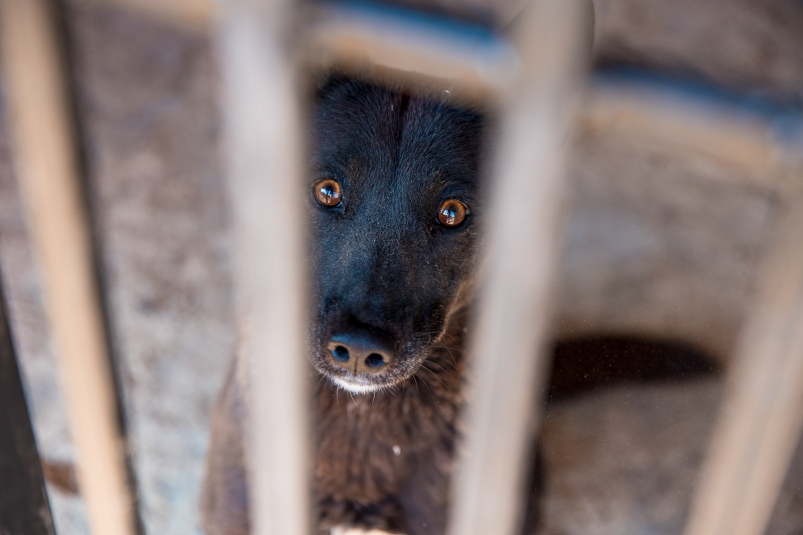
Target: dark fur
(382,264)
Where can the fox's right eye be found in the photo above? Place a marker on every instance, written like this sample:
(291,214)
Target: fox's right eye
(452,213)
(327,192)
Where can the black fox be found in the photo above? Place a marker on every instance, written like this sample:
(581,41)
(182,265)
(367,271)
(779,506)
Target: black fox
(394,206)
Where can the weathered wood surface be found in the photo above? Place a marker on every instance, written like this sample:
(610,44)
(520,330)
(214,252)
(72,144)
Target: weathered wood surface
(24,507)
(45,156)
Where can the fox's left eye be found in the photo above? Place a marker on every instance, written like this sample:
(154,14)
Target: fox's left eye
(452,213)
(327,192)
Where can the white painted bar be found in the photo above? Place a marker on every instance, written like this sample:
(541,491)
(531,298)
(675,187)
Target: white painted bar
(508,347)
(408,47)
(264,128)
(762,415)
(45,159)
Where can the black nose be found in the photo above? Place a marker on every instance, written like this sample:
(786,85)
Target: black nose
(360,353)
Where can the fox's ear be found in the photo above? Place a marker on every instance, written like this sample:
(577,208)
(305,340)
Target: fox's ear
(327,83)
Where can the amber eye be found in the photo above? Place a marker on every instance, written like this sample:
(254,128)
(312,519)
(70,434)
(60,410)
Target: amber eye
(327,192)
(452,213)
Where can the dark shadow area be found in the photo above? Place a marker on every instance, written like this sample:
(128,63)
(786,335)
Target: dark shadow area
(624,434)
(24,505)
(589,363)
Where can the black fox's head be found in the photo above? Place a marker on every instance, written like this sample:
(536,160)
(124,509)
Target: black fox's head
(395,203)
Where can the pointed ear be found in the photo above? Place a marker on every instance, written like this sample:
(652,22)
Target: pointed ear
(328,83)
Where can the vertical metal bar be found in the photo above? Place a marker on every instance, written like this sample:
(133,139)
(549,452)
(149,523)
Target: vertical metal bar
(507,348)
(265,171)
(24,507)
(762,414)
(45,158)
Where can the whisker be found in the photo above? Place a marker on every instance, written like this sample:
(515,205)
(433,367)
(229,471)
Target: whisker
(440,369)
(435,375)
(416,382)
(451,355)
(425,384)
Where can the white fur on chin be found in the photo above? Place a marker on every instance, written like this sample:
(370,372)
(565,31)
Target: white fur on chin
(355,388)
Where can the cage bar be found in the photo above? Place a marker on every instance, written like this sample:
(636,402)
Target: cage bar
(762,415)
(262,109)
(508,348)
(407,46)
(45,156)
(534,72)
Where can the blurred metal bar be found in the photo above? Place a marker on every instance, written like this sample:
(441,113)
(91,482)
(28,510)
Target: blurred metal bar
(762,414)
(508,347)
(410,46)
(24,507)
(742,140)
(264,123)
(46,163)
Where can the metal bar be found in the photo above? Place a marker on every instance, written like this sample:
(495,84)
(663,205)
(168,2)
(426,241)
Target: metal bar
(48,172)
(745,141)
(508,347)
(762,414)
(265,171)
(410,46)
(24,507)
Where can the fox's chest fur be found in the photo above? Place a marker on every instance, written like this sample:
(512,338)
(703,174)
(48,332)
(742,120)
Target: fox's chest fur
(385,461)
(382,461)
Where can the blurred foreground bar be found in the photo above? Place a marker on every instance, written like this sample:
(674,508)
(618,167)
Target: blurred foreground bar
(508,346)
(265,173)
(629,111)
(412,48)
(24,506)
(762,415)
(45,156)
